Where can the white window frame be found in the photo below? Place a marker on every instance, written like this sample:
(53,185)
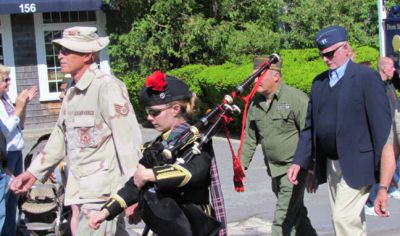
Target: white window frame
(40,28)
(8,53)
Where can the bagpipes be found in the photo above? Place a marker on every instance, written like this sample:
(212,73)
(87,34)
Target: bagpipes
(207,126)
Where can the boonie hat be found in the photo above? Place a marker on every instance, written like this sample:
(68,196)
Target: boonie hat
(82,39)
(161,89)
(329,36)
(259,60)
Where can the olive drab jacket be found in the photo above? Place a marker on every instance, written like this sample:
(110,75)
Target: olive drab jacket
(98,131)
(276,128)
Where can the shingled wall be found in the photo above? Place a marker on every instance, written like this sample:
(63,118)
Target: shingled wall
(39,114)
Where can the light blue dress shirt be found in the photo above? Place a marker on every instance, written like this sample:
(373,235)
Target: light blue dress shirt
(337,74)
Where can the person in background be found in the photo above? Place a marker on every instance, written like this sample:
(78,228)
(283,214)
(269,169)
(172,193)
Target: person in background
(390,156)
(97,129)
(348,122)
(12,121)
(4,179)
(274,120)
(396,80)
(386,70)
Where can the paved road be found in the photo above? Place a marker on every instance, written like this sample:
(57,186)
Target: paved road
(251,212)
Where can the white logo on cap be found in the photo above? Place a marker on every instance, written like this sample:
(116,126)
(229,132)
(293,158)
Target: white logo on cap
(324,41)
(162,95)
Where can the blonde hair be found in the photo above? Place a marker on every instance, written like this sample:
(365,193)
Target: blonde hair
(4,72)
(188,107)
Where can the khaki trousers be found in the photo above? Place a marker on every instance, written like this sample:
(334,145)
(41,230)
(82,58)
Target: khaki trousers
(347,203)
(112,227)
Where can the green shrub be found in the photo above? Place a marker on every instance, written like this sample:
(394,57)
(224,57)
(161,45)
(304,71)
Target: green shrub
(300,67)
(369,54)
(211,83)
(134,83)
(188,74)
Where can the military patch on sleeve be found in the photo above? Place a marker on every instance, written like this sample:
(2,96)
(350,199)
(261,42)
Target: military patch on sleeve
(122,110)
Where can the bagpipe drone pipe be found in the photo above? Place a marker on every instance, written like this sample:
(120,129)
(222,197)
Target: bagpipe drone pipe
(207,126)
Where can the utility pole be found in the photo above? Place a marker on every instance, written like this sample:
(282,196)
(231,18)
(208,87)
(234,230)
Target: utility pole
(381,26)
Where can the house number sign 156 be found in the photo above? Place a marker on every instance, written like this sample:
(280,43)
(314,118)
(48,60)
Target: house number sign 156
(27,7)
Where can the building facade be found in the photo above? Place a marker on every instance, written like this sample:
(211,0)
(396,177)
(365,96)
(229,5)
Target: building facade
(26,31)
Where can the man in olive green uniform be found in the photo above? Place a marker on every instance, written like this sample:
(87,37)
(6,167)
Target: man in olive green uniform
(96,127)
(274,120)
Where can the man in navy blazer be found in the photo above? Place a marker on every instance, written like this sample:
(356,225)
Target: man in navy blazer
(347,124)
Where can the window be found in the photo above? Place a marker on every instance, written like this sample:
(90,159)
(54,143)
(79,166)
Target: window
(55,77)
(68,17)
(7,53)
(49,26)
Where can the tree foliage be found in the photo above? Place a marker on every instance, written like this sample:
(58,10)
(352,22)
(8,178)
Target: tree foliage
(149,34)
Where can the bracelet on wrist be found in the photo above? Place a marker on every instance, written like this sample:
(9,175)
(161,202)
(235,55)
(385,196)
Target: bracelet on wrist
(382,186)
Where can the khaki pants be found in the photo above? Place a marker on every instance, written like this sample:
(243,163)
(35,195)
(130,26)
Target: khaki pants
(347,203)
(113,227)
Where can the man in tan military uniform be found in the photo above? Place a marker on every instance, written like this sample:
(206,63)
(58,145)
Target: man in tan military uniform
(96,127)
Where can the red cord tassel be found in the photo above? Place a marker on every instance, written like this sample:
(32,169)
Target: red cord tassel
(238,171)
(238,175)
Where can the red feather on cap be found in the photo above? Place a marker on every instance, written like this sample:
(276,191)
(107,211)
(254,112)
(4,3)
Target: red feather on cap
(156,81)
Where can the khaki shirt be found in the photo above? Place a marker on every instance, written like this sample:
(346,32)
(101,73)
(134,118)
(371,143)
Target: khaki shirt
(276,127)
(98,131)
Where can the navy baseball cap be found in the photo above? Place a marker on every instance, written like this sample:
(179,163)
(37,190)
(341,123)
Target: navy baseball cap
(329,36)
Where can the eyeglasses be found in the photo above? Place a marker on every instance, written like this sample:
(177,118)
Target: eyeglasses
(6,80)
(156,112)
(64,51)
(330,54)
